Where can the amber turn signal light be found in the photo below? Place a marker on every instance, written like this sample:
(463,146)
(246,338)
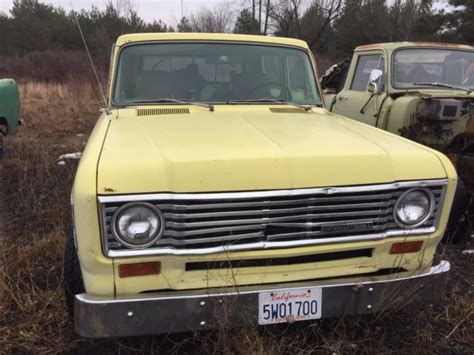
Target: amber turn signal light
(140,269)
(406,247)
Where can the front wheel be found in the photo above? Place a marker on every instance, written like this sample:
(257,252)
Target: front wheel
(2,151)
(73,283)
(458,224)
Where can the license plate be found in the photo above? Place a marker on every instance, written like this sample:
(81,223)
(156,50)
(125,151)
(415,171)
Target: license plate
(289,305)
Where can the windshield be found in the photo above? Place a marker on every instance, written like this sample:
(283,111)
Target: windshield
(412,67)
(214,73)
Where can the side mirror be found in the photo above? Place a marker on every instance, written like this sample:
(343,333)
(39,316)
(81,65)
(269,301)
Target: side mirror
(374,81)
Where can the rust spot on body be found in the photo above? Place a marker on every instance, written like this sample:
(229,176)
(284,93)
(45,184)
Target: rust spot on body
(436,44)
(369,46)
(109,189)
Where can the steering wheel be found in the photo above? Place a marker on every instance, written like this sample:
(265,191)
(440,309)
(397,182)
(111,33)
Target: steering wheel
(282,87)
(158,63)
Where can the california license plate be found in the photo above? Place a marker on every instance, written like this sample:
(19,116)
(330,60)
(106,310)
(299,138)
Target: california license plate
(289,305)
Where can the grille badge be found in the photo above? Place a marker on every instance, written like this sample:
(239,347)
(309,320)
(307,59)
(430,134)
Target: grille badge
(348,227)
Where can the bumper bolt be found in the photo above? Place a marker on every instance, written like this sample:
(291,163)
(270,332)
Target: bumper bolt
(202,323)
(369,306)
(371,289)
(130,314)
(202,303)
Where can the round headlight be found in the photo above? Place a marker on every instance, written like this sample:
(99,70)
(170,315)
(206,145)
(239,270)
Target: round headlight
(137,225)
(414,207)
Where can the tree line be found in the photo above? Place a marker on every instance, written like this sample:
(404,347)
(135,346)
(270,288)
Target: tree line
(334,27)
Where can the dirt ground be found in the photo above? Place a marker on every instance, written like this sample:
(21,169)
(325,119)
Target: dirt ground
(35,213)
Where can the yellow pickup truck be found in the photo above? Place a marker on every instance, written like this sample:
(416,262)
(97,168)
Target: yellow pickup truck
(216,190)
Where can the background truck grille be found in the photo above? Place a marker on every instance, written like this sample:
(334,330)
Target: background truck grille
(204,223)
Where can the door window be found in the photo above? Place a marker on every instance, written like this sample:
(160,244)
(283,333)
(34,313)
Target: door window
(365,65)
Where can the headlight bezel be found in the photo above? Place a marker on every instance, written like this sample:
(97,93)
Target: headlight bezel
(431,209)
(156,236)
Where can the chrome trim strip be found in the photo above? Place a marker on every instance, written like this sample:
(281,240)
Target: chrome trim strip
(440,205)
(257,204)
(302,225)
(262,212)
(443,267)
(183,234)
(272,193)
(269,245)
(272,220)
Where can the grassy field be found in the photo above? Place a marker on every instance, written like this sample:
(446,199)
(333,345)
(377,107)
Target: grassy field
(35,216)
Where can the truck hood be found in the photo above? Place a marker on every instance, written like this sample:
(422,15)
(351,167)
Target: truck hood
(253,150)
(440,93)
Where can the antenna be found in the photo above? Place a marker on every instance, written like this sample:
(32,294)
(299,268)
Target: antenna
(102,92)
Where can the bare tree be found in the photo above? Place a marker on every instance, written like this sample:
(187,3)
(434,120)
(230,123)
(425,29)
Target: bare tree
(125,8)
(286,17)
(404,16)
(260,11)
(295,18)
(219,19)
(318,18)
(267,17)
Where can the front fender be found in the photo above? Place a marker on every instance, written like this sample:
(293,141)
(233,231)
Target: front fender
(401,113)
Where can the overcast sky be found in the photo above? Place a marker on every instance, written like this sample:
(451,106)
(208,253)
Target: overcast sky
(169,11)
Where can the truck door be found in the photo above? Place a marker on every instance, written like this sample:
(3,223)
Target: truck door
(358,100)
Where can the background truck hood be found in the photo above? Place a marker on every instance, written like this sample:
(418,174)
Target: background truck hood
(440,93)
(253,150)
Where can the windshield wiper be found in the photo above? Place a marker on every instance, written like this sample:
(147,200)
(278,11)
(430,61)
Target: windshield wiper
(176,101)
(442,85)
(279,101)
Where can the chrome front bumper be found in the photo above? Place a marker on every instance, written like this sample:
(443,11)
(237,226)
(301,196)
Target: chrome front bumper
(200,309)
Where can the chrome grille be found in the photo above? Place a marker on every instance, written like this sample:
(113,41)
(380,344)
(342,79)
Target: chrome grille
(206,223)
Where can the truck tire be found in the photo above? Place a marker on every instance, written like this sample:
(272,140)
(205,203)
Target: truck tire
(458,224)
(72,276)
(1,146)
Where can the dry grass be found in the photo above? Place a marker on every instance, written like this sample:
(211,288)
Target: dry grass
(50,66)
(35,201)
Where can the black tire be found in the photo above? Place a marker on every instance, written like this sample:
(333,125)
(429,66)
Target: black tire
(73,283)
(2,151)
(458,224)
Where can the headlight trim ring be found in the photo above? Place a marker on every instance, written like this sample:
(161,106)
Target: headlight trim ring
(432,205)
(159,232)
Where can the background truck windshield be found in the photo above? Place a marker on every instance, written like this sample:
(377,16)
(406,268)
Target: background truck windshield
(420,65)
(214,73)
